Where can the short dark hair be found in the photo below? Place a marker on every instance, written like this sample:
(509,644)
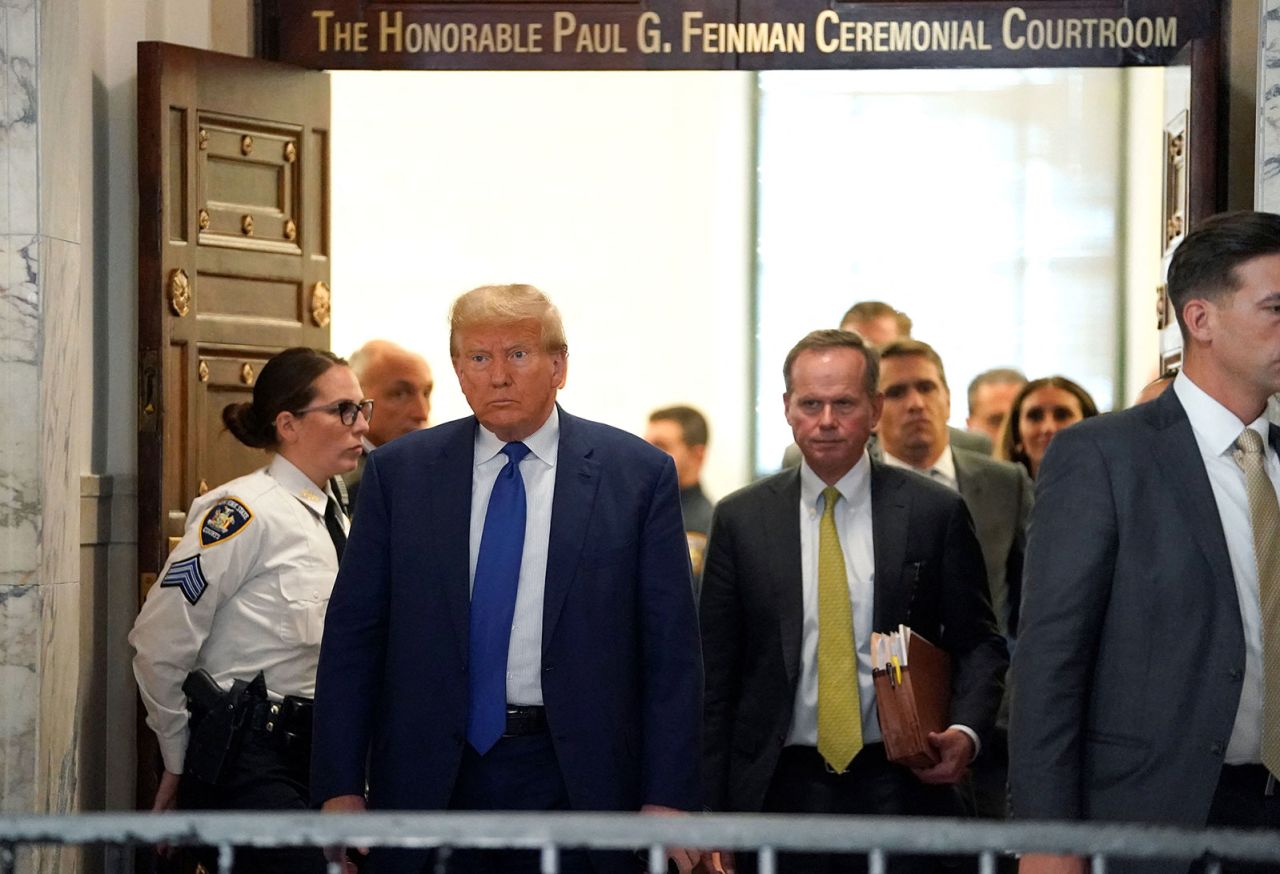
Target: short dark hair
(286,384)
(1204,264)
(994,376)
(831,338)
(693,425)
(908,348)
(870,310)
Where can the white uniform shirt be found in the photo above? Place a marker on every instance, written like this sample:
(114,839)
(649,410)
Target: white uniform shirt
(244,591)
(538,469)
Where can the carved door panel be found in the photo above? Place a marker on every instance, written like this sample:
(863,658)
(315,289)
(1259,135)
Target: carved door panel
(233,170)
(233,265)
(1191,173)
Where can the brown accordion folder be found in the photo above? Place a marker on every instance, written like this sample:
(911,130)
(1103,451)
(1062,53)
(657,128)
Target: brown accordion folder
(913,695)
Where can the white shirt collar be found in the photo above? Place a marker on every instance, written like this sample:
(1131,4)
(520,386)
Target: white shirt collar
(543,444)
(854,486)
(368,446)
(945,464)
(1216,427)
(298,484)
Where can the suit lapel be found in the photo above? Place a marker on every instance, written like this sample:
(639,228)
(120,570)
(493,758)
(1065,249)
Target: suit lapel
(1179,458)
(786,568)
(447,526)
(577,479)
(890,514)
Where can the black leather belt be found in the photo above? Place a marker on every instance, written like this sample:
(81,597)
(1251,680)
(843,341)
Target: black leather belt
(522,721)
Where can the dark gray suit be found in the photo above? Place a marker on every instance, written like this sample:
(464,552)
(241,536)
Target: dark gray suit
(1131,650)
(928,574)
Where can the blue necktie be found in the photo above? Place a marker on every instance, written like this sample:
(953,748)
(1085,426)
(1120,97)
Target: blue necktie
(493,602)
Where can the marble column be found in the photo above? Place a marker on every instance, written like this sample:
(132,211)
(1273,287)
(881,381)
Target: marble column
(1267,178)
(41,138)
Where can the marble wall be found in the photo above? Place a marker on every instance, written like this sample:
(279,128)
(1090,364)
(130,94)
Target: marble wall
(1267,181)
(40,315)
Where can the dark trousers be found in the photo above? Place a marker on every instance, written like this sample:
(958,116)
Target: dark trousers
(1240,801)
(802,783)
(988,783)
(518,773)
(260,777)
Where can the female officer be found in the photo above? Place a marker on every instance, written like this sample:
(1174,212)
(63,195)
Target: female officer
(243,597)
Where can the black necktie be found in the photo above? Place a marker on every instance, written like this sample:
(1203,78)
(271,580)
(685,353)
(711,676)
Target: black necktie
(336,534)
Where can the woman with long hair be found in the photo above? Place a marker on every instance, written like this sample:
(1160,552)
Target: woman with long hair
(1041,409)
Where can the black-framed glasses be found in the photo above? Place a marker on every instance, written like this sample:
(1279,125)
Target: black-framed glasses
(344,410)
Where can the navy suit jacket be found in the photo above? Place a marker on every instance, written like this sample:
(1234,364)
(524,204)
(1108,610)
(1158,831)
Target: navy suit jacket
(621,667)
(1129,663)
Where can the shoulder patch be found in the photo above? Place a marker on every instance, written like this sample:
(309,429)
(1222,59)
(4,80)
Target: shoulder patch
(225,520)
(188,577)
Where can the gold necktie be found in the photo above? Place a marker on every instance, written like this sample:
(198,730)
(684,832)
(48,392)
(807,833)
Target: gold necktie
(839,710)
(1264,517)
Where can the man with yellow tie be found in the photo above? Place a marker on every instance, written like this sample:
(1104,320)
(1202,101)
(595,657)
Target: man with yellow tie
(1146,685)
(801,568)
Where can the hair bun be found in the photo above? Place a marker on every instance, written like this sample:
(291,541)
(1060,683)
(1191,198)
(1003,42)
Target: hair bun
(245,426)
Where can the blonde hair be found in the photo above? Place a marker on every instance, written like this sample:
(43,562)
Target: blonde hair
(503,305)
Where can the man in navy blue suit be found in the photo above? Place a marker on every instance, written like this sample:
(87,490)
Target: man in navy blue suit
(513,627)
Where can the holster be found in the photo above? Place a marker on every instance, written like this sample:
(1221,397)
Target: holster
(217,722)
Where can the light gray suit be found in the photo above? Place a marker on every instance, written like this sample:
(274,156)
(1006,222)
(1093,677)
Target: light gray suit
(1131,650)
(999,496)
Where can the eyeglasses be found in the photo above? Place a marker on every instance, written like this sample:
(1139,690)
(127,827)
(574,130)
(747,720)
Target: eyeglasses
(344,410)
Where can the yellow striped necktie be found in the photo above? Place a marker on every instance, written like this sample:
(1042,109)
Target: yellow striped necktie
(1264,518)
(839,708)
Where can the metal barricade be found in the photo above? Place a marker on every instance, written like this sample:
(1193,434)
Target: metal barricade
(549,833)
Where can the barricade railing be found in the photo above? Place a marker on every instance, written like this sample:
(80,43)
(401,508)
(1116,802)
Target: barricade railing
(549,833)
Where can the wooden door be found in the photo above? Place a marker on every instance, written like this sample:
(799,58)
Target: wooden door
(1192,175)
(233,261)
(233,266)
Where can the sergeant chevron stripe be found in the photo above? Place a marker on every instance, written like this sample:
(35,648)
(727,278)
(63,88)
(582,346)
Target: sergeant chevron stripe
(188,577)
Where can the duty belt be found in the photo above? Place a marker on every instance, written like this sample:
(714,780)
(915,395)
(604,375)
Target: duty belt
(287,722)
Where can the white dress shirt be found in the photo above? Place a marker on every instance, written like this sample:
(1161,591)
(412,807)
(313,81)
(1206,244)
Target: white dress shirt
(943,470)
(1216,429)
(853,525)
(538,469)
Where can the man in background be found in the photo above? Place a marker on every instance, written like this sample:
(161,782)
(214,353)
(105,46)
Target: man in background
(880,324)
(681,432)
(991,395)
(913,435)
(399,383)
(876,322)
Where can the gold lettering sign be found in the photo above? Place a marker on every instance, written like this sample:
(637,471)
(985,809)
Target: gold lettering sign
(716,34)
